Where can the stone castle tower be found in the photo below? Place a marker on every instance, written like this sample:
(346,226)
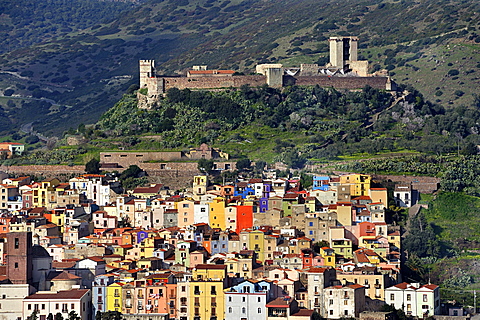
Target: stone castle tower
(344,55)
(149,81)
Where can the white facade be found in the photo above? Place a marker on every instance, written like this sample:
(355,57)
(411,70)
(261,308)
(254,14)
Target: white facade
(11,303)
(200,212)
(343,302)
(413,299)
(63,302)
(403,196)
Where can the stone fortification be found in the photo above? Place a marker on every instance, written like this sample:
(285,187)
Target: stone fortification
(349,83)
(213,82)
(344,71)
(124,159)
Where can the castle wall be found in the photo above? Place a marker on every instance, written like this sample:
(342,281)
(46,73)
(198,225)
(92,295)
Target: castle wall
(349,83)
(126,159)
(212,82)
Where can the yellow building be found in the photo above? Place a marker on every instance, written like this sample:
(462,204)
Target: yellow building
(217,213)
(206,295)
(340,243)
(256,243)
(328,255)
(114,297)
(359,183)
(44,193)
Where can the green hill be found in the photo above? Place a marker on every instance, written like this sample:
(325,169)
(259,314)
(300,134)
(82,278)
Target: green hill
(77,75)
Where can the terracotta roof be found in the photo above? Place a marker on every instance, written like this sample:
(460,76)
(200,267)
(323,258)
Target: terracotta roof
(211,71)
(66,276)
(279,303)
(60,295)
(211,266)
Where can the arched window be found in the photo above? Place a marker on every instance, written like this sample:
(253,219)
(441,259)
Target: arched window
(243,310)
(230,310)
(259,310)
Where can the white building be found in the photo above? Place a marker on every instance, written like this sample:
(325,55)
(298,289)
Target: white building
(343,301)
(93,186)
(248,300)
(404,196)
(413,299)
(45,302)
(11,304)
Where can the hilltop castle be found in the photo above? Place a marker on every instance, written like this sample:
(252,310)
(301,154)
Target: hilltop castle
(344,71)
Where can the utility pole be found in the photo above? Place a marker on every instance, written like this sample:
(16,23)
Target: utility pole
(474,302)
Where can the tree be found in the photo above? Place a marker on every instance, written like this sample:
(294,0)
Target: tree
(33,316)
(133,171)
(306,180)
(92,166)
(260,166)
(72,315)
(243,164)
(58,316)
(469,149)
(205,165)
(50,316)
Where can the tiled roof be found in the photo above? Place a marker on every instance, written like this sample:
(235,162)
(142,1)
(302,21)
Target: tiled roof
(60,295)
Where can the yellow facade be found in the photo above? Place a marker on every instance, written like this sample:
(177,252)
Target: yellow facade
(217,213)
(114,297)
(359,183)
(256,243)
(328,255)
(44,194)
(207,299)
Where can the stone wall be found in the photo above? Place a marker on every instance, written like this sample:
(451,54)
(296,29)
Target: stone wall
(349,83)
(59,171)
(126,159)
(212,82)
(421,184)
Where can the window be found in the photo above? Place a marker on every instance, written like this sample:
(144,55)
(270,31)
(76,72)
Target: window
(425,299)
(392,296)
(16,265)
(409,297)
(17,244)
(244,310)
(259,310)
(229,309)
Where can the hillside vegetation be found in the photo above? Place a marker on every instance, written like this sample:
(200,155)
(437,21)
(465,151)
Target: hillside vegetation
(78,75)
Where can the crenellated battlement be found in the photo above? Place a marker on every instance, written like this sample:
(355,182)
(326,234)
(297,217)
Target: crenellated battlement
(343,72)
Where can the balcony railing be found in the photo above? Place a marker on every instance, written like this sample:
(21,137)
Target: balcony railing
(196,293)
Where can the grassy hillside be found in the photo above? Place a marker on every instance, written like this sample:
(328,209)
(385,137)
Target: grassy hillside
(81,73)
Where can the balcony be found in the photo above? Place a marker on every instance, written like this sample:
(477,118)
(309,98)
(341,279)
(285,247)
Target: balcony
(197,293)
(172,296)
(140,307)
(213,292)
(64,310)
(197,304)
(214,304)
